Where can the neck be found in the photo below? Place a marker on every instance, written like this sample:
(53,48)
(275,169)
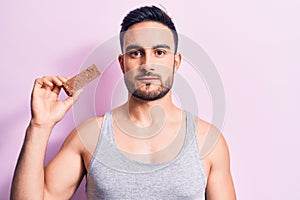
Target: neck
(142,118)
(142,112)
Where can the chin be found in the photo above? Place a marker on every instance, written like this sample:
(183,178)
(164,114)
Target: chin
(151,96)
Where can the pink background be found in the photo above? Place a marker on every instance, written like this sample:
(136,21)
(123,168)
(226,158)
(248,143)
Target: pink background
(254,45)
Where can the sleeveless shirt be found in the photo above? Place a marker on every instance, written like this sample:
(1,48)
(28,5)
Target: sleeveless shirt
(111,175)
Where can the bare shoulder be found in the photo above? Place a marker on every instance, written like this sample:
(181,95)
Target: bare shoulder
(211,141)
(85,136)
(65,171)
(215,157)
(88,132)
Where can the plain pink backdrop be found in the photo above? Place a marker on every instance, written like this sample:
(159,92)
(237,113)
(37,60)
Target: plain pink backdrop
(254,45)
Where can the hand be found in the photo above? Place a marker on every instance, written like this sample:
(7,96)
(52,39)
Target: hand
(46,109)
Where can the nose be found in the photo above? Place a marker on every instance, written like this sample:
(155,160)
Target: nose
(147,61)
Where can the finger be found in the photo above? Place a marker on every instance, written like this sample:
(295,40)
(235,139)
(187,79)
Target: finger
(56,80)
(62,79)
(53,80)
(71,100)
(38,83)
(56,89)
(47,82)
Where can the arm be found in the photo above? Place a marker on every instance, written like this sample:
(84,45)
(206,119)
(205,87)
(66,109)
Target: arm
(220,184)
(30,180)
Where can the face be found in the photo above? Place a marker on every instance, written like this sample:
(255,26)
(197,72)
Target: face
(149,62)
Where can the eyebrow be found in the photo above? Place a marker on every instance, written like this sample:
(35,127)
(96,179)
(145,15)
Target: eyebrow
(130,47)
(163,46)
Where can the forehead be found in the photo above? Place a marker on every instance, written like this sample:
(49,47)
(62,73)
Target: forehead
(149,34)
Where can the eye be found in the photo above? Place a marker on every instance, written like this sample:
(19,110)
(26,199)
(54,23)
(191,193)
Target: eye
(160,52)
(135,53)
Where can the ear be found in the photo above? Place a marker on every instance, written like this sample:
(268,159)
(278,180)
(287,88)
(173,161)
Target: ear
(121,62)
(177,61)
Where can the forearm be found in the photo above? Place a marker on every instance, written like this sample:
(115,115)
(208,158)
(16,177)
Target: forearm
(28,181)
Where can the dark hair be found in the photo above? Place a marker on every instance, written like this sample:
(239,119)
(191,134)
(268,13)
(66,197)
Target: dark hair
(147,13)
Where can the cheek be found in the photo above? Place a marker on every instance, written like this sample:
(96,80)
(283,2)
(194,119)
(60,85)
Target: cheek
(166,61)
(166,64)
(165,70)
(130,63)
(167,81)
(130,72)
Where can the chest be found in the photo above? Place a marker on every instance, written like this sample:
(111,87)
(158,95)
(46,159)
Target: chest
(162,146)
(181,179)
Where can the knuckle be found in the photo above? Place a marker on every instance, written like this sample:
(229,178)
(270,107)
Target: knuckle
(38,80)
(61,78)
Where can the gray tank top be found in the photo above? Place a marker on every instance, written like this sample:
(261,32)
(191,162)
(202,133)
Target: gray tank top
(112,175)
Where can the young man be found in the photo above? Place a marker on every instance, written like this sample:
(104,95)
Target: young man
(145,149)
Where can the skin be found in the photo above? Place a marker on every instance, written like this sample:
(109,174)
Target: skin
(61,177)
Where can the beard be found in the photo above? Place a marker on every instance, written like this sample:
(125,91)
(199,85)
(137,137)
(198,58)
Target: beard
(149,91)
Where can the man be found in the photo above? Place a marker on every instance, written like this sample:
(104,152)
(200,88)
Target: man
(145,149)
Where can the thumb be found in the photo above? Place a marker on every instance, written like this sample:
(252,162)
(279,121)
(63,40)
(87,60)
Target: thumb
(71,100)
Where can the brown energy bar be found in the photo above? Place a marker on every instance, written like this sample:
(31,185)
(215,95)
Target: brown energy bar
(80,80)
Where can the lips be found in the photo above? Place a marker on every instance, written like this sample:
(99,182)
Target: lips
(148,78)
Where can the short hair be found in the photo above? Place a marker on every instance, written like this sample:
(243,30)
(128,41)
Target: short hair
(147,13)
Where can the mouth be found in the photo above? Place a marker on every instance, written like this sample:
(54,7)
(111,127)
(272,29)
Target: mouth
(148,79)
